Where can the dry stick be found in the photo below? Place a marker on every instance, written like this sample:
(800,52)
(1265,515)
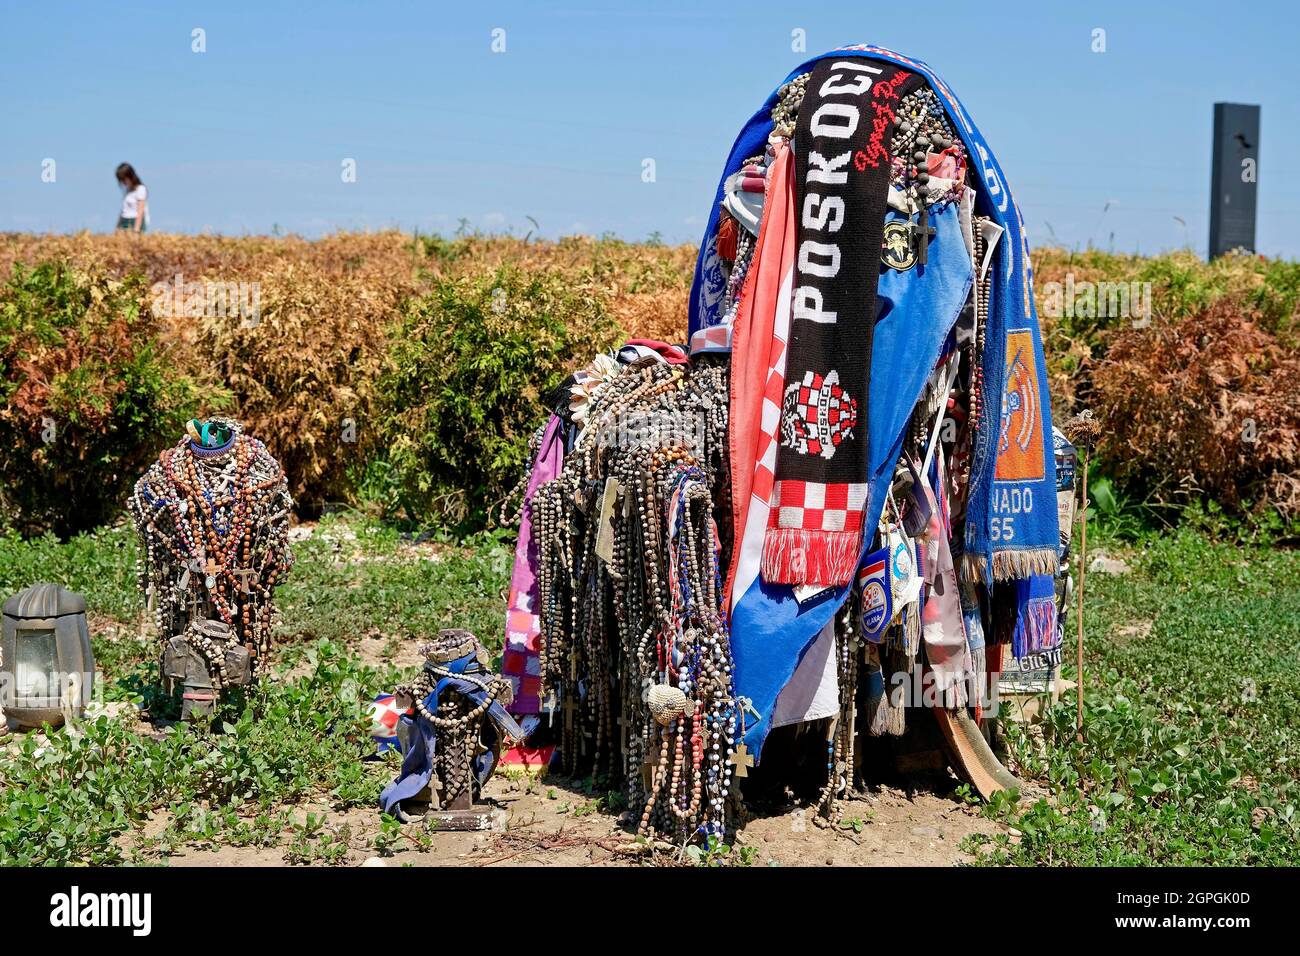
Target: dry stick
(1083,429)
(1083,568)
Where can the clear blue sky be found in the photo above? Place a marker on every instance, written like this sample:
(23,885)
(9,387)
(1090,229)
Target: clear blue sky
(250,135)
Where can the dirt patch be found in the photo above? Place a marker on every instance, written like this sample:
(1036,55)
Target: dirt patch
(1128,633)
(381,650)
(553,823)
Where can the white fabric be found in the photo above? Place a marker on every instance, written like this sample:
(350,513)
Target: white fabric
(131,203)
(746,207)
(813,691)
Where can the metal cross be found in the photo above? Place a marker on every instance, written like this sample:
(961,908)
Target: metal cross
(741,760)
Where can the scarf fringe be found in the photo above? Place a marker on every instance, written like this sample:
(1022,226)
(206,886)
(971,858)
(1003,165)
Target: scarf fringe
(1012,565)
(1008,565)
(876,703)
(796,556)
(952,690)
(910,633)
(972,568)
(1035,629)
(890,719)
(979,679)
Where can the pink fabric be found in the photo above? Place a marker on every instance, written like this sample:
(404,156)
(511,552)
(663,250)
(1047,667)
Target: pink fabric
(672,354)
(759,334)
(942,628)
(521,661)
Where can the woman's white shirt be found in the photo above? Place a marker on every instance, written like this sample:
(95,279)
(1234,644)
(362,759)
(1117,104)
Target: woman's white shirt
(131,202)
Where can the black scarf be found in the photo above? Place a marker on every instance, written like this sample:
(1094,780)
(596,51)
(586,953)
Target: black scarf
(841,144)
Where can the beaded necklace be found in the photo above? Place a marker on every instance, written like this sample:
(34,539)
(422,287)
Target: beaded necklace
(633,639)
(213,525)
(923,127)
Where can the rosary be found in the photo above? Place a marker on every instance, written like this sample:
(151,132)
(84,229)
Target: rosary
(212,515)
(924,140)
(634,640)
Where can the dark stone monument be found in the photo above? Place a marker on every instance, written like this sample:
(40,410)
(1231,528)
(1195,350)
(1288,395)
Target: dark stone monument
(1234,178)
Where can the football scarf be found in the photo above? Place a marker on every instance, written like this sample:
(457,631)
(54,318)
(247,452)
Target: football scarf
(1036,628)
(842,174)
(770,629)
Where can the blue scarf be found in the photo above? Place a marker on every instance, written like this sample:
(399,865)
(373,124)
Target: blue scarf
(417,763)
(771,630)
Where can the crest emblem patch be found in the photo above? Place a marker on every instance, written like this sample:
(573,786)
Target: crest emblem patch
(877,602)
(897,250)
(817,414)
(1020,435)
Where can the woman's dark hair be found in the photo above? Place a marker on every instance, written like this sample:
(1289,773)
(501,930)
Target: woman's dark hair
(126,174)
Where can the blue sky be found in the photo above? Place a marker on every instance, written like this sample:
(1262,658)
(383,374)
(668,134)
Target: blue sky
(250,136)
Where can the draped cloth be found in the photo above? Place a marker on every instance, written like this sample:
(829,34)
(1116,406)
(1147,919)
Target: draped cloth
(773,625)
(772,630)
(520,662)
(422,737)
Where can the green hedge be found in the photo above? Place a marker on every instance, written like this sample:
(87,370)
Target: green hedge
(443,377)
(88,394)
(465,383)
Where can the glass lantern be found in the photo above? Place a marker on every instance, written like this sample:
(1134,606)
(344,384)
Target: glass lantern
(46,663)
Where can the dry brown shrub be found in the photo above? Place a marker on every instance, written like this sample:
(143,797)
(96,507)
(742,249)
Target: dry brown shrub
(646,285)
(303,376)
(1206,406)
(386,257)
(326,307)
(652,315)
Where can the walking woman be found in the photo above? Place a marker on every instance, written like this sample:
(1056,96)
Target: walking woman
(135,205)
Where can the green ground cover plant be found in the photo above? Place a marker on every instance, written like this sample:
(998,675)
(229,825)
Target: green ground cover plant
(1191,748)
(1191,752)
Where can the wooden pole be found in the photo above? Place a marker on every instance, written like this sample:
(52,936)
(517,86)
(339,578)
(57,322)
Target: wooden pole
(1083,429)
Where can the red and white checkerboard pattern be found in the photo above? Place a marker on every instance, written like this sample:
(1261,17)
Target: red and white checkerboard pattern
(813,506)
(770,422)
(521,659)
(749,546)
(713,338)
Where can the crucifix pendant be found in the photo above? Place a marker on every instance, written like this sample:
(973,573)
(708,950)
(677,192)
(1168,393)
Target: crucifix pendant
(921,233)
(742,761)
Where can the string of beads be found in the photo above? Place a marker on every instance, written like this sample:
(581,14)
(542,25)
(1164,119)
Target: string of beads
(634,646)
(213,524)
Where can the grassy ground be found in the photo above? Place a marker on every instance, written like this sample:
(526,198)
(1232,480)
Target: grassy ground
(1191,754)
(121,789)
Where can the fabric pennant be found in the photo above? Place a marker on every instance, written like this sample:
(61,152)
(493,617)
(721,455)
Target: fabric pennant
(943,629)
(905,582)
(877,595)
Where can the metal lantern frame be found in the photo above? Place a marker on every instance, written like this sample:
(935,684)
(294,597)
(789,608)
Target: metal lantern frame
(47,665)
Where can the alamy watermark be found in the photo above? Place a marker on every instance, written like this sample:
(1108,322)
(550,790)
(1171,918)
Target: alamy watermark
(205,299)
(75,908)
(1097,300)
(647,429)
